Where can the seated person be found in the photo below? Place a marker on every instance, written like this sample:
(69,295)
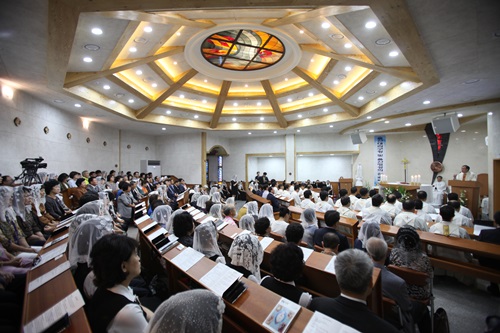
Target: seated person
(307,202)
(161,215)
(375,213)
(371,193)
(183,227)
(353,269)
(246,255)
(491,236)
(189,311)
(390,206)
(53,204)
(287,262)
(332,217)
(279,226)
(408,217)
(229,212)
(420,212)
(345,210)
(342,193)
(78,192)
(330,244)
(422,196)
(368,229)
(361,202)
(25,218)
(247,222)
(458,219)
(114,307)
(323,205)
(216,211)
(463,210)
(310,224)
(394,287)
(262,227)
(205,241)
(294,233)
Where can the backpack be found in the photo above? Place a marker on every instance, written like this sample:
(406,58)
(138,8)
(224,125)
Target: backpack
(441,324)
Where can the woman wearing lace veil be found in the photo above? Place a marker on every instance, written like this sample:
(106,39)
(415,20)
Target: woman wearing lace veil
(205,241)
(191,311)
(216,211)
(247,222)
(310,224)
(246,255)
(162,214)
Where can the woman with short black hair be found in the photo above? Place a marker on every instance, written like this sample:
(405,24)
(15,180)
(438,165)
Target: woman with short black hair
(114,307)
(184,228)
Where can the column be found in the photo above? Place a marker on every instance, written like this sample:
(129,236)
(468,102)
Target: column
(493,119)
(290,157)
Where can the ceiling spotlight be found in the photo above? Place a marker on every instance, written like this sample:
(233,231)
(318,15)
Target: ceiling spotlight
(310,94)
(92,47)
(289,100)
(382,41)
(133,49)
(472,81)
(163,129)
(138,72)
(148,29)
(275,132)
(298,131)
(107,87)
(369,117)
(78,105)
(259,103)
(383,84)
(97,31)
(168,112)
(246,85)
(286,79)
(361,98)
(249,133)
(331,126)
(175,63)
(196,116)
(204,101)
(370,25)
(301,31)
(112,102)
(460,115)
(393,54)
(181,96)
(347,45)
(347,68)
(87,59)
(407,124)
(205,80)
(261,118)
(178,33)
(300,116)
(234,119)
(325,110)
(131,100)
(386,122)
(426,102)
(154,85)
(371,131)
(235,104)
(325,25)
(463,131)
(335,81)
(312,60)
(490,113)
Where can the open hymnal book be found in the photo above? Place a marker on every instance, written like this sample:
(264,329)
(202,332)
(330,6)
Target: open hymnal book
(281,316)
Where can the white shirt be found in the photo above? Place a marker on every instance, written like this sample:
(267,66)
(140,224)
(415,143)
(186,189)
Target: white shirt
(440,186)
(409,218)
(279,227)
(72,183)
(426,217)
(381,215)
(285,193)
(368,202)
(466,212)
(458,220)
(469,176)
(307,203)
(360,204)
(338,203)
(323,206)
(392,209)
(429,209)
(346,212)
(353,200)
(130,319)
(296,198)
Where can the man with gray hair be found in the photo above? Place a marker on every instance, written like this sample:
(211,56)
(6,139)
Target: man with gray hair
(394,287)
(354,270)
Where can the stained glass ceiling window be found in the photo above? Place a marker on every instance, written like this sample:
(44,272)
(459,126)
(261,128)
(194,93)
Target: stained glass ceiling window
(242,50)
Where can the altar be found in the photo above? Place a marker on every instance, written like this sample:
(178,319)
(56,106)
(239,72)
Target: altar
(411,189)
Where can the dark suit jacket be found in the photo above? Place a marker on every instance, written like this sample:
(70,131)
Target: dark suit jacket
(352,313)
(274,202)
(318,238)
(490,236)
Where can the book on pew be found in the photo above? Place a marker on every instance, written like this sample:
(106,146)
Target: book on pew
(142,219)
(139,213)
(220,224)
(149,227)
(225,282)
(320,323)
(282,316)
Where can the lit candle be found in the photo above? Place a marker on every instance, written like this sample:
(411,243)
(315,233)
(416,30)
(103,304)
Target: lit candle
(412,178)
(418,181)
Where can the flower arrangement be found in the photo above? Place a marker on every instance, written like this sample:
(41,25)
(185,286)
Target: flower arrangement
(463,198)
(404,193)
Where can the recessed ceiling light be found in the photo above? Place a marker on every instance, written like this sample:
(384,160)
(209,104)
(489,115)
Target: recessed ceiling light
(460,115)
(393,54)
(106,86)
(370,92)
(407,124)
(175,63)
(331,126)
(163,129)
(119,95)
(131,100)
(347,45)
(154,85)
(286,79)
(289,100)
(300,116)
(205,80)
(472,81)
(58,101)
(148,29)
(383,83)
(312,60)
(181,96)
(178,33)
(204,101)
(361,98)
(476,132)
(92,47)
(336,36)
(196,116)
(386,122)
(325,110)
(301,155)
(234,119)
(370,25)
(259,103)
(490,113)
(87,59)
(426,102)
(341,76)
(246,85)
(275,132)
(138,72)
(169,112)
(310,94)
(371,131)
(406,85)
(133,49)
(249,133)
(235,104)
(112,102)
(335,81)
(347,68)
(301,31)
(298,131)
(325,25)
(97,31)
(141,40)
(78,105)
(369,117)
(382,41)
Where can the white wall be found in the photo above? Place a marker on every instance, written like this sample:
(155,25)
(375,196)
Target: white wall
(324,167)
(131,157)
(324,143)
(274,166)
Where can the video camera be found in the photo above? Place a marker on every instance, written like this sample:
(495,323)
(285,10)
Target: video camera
(33,164)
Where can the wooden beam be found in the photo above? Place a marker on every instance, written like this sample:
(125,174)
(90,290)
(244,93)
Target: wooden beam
(312,14)
(406,75)
(129,31)
(224,89)
(154,18)
(159,71)
(361,84)
(75,79)
(128,88)
(353,111)
(328,68)
(439,109)
(173,88)
(158,45)
(274,103)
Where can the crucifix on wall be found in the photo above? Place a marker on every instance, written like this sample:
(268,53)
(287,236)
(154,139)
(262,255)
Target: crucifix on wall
(405,166)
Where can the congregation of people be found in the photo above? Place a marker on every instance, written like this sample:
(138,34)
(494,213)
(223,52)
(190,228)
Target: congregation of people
(106,264)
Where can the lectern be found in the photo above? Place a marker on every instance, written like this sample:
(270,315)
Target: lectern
(345,183)
(471,191)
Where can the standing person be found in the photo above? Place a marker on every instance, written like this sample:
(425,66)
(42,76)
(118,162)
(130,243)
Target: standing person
(465,174)
(126,205)
(440,189)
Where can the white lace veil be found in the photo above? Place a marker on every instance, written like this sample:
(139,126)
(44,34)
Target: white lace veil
(252,208)
(216,211)
(162,214)
(201,203)
(246,251)
(267,211)
(247,222)
(308,217)
(205,240)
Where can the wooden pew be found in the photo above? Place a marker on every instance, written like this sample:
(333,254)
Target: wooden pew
(254,197)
